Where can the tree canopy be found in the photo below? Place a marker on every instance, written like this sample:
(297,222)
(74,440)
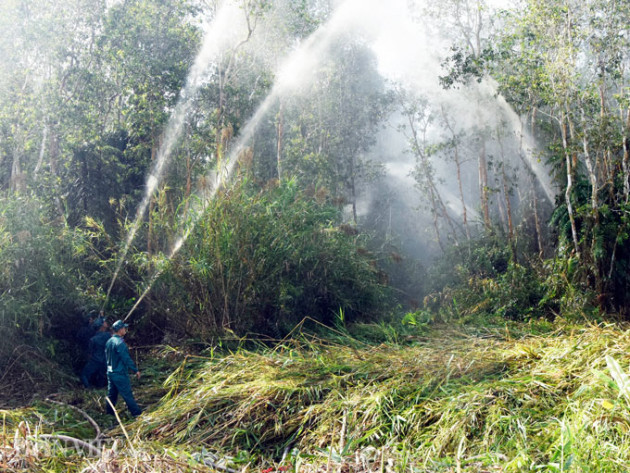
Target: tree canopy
(325,160)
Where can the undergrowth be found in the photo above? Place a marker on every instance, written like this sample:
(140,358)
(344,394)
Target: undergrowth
(446,400)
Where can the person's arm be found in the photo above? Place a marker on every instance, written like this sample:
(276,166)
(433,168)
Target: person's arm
(123,352)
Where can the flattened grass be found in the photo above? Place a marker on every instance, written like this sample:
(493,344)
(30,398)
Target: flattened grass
(452,401)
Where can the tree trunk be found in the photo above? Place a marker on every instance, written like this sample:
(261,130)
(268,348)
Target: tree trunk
(569,189)
(437,204)
(508,210)
(280,137)
(592,174)
(458,166)
(353,190)
(532,184)
(16,173)
(625,163)
(594,217)
(461,194)
(42,150)
(537,225)
(483,187)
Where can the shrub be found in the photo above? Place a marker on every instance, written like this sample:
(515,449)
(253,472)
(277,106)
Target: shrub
(40,280)
(261,261)
(482,280)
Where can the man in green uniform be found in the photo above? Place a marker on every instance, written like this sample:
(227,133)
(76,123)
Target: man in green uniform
(118,365)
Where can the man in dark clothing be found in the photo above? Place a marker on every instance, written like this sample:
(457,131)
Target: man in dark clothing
(95,371)
(119,363)
(86,332)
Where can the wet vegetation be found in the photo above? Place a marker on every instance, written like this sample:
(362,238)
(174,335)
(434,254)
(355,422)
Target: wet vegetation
(349,237)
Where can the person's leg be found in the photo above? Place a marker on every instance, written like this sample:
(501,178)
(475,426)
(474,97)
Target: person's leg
(99,378)
(85,378)
(124,388)
(88,372)
(112,394)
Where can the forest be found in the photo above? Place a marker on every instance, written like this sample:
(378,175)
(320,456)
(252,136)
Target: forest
(346,235)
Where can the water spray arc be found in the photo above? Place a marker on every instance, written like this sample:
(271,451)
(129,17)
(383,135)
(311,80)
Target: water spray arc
(294,72)
(221,33)
(176,247)
(377,24)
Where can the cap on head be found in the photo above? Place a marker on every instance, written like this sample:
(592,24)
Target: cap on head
(98,323)
(116,326)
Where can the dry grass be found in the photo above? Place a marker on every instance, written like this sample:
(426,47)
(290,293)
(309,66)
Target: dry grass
(453,402)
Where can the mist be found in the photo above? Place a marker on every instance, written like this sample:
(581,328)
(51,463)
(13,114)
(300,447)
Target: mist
(402,132)
(409,45)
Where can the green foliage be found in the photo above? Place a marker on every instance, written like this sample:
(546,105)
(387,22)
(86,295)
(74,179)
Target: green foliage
(29,263)
(599,276)
(336,123)
(562,63)
(261,261)
(463,66)
(482,280)
(42,287)
(563,292)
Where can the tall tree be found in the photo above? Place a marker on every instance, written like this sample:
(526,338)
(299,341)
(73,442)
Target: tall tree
(335,124)
(567,61)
